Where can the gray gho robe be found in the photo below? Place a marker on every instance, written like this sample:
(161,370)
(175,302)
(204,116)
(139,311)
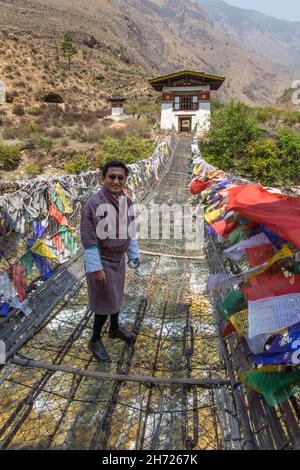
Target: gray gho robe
(106,299)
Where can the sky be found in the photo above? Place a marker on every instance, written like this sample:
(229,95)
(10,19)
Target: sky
(285,10)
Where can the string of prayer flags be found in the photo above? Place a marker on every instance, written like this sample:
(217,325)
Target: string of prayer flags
(196,187)
(9,294)
(276,359)
(224,228)
(228,330)
(228,281)
(236,236)
(7,290)
(287,340)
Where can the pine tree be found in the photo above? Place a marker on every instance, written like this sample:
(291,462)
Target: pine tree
(68,48)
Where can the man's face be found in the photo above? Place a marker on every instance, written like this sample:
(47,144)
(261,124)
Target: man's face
(114,180)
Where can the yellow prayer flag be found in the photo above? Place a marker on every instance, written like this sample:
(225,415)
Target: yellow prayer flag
(62,197)
(212,216)
(240,322)
(40,248)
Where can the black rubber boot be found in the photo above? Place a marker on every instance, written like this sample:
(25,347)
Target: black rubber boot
(99,351)
(123,334)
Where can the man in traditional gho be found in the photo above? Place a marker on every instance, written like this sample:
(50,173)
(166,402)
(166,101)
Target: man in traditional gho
(108,212)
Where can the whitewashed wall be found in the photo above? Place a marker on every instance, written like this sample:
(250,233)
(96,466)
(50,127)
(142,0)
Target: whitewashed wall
(117,111)
(200,117)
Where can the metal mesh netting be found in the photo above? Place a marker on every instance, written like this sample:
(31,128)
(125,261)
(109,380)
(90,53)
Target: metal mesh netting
(42,409)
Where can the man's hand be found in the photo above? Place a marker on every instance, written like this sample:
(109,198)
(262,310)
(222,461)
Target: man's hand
(100,277)
(134,263)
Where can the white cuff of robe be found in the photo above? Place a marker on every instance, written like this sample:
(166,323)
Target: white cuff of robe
(92,259)
(133,251)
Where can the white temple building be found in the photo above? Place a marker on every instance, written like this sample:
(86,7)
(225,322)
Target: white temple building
(186,99)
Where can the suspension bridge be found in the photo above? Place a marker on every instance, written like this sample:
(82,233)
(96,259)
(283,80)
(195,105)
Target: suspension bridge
(175,388)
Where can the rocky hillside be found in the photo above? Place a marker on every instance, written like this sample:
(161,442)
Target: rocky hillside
(276,39)
(121,43)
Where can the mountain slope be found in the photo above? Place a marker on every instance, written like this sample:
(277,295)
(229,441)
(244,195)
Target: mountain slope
(159,36)
(276,39)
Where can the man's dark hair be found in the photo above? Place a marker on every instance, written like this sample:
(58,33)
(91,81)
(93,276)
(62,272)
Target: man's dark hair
(114,164)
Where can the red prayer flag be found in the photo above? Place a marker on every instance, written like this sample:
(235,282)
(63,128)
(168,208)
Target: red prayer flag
(228,330)
(279,213)
(197,187)
(58,243)
(273,288)
(259,255)
(17,276)
(54,212)
(223,229)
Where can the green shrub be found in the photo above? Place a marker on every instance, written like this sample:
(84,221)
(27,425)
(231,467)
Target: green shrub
(79,164)
(237,144)
(10,156)
(260,161)
(31,129)
(288,142)
(45,143)
(292,118)
(232,128)
(268,114)
(33,170)
(128,149)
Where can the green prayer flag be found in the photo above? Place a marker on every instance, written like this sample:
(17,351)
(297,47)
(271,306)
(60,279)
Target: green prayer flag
(68,240)
(27,263)
(233,303)
(296,267)
(236,236)
(57,201)
(276,387)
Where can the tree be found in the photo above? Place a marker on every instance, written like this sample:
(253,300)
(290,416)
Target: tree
(68,48)
(232,128)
